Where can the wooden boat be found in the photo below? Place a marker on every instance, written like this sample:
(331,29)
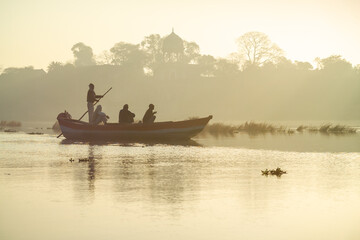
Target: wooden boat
(75,129)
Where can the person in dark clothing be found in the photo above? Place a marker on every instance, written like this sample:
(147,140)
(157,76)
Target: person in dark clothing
(125,116)
(91,98)
(149,116)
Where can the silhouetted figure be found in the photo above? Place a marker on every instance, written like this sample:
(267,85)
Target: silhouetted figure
(91,98)
(99,116)
(125,116)
(149,116)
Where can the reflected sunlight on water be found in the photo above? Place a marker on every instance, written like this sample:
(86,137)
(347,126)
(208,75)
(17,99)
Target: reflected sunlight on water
(196,190)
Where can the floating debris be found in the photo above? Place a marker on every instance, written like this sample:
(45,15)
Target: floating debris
(71,160)
(84,159)
(10,130)
(290,131)
(277,172)
(35,133)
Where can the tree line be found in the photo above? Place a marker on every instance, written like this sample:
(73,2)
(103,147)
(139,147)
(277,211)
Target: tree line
(256,82)
(255,52)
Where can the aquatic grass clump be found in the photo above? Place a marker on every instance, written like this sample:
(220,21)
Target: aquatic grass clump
(220,129)
(275,172)
(10,130)
(301,128)
(253,128)
(341,129)
(10,124)
(290,131)
(313,129)
(256,128)
(328,128)
(325,128)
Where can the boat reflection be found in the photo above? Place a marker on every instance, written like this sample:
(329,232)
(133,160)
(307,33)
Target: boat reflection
(188,142)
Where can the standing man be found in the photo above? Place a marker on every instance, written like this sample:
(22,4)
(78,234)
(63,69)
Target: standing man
(91,98)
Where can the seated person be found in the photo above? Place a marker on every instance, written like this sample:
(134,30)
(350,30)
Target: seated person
(99,116)
(125,116)
(149,116)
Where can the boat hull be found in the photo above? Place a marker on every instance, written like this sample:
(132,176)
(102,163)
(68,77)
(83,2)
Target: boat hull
(74,129)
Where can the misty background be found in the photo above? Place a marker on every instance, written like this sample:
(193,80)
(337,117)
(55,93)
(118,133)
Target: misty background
(257,82)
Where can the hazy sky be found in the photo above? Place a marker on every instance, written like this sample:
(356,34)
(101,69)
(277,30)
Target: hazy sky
(36,32)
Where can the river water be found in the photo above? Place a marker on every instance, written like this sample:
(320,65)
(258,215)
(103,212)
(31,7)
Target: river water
(209,188)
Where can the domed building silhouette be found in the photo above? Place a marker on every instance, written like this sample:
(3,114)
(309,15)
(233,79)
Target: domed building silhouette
(174,65)
(173,47)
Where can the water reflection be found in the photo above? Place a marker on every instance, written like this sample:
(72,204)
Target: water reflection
(154,178)
(85,173)
(187,142)
(91,168)
(175,189)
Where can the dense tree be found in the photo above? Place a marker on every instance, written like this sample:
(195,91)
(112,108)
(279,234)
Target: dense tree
(14,70)
(128,54)
(104,58)
(334,63)
(83,55)
(256,49)
(207,65)
(357,68)
(54,66)
(151,45)
(226,68)
(191,52)
(285,64)
(303,65)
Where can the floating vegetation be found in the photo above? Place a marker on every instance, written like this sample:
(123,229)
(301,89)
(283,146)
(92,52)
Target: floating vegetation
(220,129)
(340,129)
(82,159)
(85,159)
(329,128)
(254,128)
(301,128)
(10,124)
(10,130)
(35,133)
(274,172)
(290,131)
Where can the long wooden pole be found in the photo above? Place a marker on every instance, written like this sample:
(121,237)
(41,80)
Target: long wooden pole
(88,110)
